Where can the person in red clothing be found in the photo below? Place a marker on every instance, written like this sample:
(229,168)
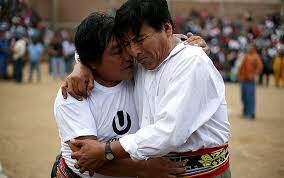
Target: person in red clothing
(250,68)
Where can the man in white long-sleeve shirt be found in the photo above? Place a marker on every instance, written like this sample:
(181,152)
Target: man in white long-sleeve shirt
(179,95)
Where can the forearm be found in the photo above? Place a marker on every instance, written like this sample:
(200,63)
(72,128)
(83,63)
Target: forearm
(123,167)
(118,150)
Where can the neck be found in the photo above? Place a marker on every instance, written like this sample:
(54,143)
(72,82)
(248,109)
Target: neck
(103,82)
(168,49)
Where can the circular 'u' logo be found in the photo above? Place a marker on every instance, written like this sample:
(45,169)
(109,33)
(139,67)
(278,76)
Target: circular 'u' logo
(121,123)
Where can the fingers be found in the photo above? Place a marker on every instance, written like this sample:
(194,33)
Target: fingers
(82,170)
(72,91)
(73,147)
(198,41)
(82,89)
(77,166)
(77,143)
(178,165)
(181,37)
(206,50)
(189,34)
(90,85)
(91,173)
(177,170)
(64,87)
(76,155)
(194,37)
(175,167)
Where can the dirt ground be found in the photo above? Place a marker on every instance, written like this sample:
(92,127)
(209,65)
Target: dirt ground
(29,139)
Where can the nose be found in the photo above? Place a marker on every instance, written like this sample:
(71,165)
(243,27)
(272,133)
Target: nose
(134,49)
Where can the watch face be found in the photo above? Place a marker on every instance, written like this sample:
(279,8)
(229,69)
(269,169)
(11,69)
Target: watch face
(109,156)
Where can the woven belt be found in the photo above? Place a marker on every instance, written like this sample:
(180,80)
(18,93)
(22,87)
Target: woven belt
(211,161)
(61,170)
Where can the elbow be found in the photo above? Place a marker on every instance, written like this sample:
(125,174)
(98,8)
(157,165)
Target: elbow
(176,140)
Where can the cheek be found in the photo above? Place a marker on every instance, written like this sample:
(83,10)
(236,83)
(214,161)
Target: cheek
(152,47)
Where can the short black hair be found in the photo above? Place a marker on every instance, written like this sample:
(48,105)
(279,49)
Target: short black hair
(134,13)
(92,36)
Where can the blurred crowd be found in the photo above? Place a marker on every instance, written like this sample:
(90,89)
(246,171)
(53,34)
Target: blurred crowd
(26,40)
(229,40)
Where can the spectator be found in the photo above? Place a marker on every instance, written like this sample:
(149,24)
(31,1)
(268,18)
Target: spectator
(69,52)
(35,51)
(57,59)
(266,61)
(278,68)
(4,53)
(250,68)
(19,51)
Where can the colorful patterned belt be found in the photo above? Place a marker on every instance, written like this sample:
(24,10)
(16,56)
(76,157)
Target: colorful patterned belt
(205,162)
(61,170)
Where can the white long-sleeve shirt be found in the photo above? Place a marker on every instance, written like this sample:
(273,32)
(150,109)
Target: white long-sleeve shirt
(19,49)
(181,106)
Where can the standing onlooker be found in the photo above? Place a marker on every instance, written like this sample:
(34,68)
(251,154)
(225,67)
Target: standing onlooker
(35,50)
(4,53)
(57,59)
(266,61)
(250,68)
(19,51)
(69,52)
(278,69)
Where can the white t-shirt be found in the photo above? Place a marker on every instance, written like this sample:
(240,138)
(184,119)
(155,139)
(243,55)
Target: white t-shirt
(68,47)
(181,106)
(108,113)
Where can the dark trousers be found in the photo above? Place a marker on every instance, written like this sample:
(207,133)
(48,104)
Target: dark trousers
(3,67)
(18,70)
(69,64)
(248,98)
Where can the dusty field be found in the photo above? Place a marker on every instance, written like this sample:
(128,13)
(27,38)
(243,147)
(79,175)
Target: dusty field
(29,141)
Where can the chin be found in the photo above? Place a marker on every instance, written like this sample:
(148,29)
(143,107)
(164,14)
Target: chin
(149,67)
(126,76)
(129,77)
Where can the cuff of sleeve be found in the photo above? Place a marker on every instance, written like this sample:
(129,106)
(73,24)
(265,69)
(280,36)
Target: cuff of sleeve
(129,145)
(79,133)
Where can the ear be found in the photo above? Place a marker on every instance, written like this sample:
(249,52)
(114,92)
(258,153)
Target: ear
(168,29)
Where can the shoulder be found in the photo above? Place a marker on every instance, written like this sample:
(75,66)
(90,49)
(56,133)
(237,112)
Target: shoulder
(189,58)
(70,103)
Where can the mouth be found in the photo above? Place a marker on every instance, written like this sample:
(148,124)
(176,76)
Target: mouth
(142,60)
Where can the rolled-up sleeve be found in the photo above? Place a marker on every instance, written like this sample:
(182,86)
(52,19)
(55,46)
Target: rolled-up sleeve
(194,93)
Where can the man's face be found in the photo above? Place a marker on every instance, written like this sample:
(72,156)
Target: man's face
(116,65)
(151,47)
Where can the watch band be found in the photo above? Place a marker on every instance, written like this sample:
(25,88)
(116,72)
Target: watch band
(108,148)
(108,153)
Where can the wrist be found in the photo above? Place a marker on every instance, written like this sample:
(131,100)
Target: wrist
(140,168)
(108,152)
(102,151)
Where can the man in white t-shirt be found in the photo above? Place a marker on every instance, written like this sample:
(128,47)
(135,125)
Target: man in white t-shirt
(179,95)
(108,113)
